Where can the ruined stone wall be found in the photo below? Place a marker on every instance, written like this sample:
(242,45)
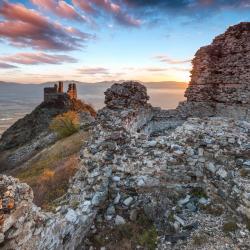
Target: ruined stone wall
(50,93)
(56,92)
(72,92)
(60,88)
(220,76)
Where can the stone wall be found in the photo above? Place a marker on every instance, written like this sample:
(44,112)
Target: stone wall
(52,94)
(72,91)
(220,76)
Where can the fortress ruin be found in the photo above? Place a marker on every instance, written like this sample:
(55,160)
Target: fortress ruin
(56,92)
(187,169)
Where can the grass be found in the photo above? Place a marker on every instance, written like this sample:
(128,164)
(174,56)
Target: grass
(199,239)
(48,173)
(213,209)
(148,238)
(244,173)
(171,217)
(65,124)
(127,236)
(199,192)
(230,226)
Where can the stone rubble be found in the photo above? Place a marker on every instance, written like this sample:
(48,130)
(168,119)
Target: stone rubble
(199,164)
(190,176)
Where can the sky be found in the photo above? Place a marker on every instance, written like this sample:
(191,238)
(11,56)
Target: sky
(102,40)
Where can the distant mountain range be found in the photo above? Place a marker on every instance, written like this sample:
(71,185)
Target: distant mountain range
(90,92)
(161,84)
(18,99)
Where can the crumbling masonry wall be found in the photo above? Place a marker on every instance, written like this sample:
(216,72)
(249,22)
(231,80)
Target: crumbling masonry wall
(220,79)
(56,92)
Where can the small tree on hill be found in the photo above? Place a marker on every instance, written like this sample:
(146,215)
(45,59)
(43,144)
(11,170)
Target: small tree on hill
(65,124)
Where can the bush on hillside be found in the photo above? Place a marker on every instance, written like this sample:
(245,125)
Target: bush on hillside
(79,105)
(65,124)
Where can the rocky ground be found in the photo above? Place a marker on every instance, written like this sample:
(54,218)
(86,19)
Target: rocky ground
(183,188)
(189,183)
(151,178)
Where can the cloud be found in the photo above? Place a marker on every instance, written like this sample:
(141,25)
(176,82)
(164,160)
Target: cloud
(181,69)
(168,60)
(158,69)
(191,8)
(37,58)
(6,66)
(93,71)
(27,28)
(155,69)
(60,8)
(134,13)
(112,8)
(186,5)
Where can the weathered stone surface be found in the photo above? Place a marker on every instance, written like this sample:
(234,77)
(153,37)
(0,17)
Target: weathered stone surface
(126,95)
(220,76)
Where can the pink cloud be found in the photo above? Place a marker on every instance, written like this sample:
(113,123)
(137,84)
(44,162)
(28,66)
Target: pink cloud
(169,60)
(28,28)
(126,19)
(85,5)
(109,7)
(93,71)
(6,66)
(37,58)
(60,8)
(154,69)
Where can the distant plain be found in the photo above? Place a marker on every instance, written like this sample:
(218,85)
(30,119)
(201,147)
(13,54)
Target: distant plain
(17,100)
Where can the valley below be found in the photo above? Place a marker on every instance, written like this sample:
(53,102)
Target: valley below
(17,100)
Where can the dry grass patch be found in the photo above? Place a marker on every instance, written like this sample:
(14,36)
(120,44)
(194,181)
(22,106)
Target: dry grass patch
(130,235)
(65,124)
(199,239)
(48,173)
(230,226)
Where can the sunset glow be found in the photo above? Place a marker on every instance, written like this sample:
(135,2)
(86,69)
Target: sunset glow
(99,40)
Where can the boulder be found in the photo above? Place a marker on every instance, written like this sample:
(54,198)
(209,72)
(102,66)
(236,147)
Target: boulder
(126,95)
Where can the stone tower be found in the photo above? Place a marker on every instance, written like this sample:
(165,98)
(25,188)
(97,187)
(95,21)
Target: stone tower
(60,90)
(56,92)
(72,92)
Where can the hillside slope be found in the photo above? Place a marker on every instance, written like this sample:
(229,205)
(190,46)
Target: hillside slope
(29,135)
(49,171)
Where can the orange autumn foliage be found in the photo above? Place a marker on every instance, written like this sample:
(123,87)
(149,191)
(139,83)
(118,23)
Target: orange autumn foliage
(65,124)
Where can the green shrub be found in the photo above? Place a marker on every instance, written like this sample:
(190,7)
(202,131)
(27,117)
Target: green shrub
(148,238)
(199,192)
(65,124)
